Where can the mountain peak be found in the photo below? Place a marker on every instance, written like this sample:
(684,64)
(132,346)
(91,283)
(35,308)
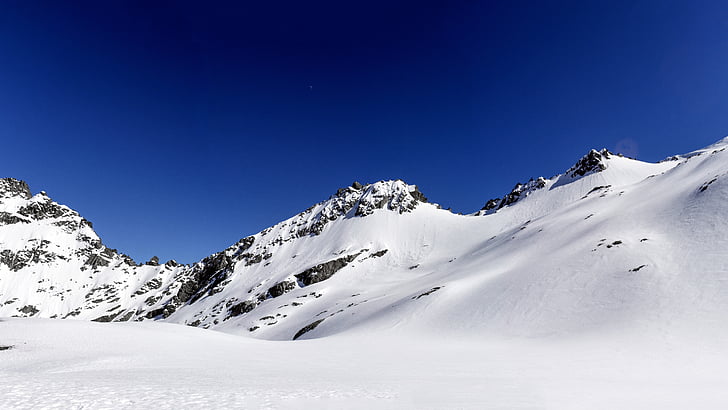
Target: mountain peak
(394,195)
(590,163)
(11,187)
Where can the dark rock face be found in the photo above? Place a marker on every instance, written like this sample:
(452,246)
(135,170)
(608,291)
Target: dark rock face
(165,311)
(11,187)
(107,318)
(43,210)
(205,276)
(95,261)
(153,261)
(379,254)
(280,288)
(125,317)
(307,328)
(29,310)
(36,253)
(241,308)
(243,245)
(518,192)
(171,263)
(416,194)
(7,218)
(362,200)
(590,163)
(491,204)
(324,270)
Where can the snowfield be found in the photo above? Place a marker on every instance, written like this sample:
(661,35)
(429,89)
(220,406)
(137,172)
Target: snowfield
(81,365)
(603,287)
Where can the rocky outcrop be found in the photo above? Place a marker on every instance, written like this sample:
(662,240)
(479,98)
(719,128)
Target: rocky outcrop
(241,308)
(360,200)
(11,187)
(324,270)
(95,261)
(589,163)
(281,288)
(518,192)
(44,209)
(205,276)
(29,310)
(307,328)
(6,218)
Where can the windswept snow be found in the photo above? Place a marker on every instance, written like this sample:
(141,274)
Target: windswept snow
(81,365)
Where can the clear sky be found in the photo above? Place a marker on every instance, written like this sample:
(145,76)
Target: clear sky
(179,127)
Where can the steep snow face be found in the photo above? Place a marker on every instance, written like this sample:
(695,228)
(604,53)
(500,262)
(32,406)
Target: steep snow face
(612,242)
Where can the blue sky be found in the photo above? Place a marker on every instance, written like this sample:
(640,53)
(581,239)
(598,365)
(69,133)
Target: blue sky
(180,127)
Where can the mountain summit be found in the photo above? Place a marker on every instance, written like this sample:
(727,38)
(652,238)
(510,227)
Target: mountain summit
(611,241)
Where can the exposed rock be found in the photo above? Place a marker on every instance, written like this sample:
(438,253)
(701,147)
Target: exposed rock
(416,194)
(518,192)
(307,328)
(29,310)
(7,218)
(379,254)
(165,311)
(205,275)
(153,261)
(43,210)
(324,270)
(11,187)
(706,185)
(242,245)
(429,292)
(491,204)
(362,200)
(107,318)
(94,261)
(280,288)
(241,308)
(590,163)
(171,263)
(125,317)
(22,258)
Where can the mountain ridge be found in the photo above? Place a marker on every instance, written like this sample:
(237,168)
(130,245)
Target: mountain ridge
(364,253)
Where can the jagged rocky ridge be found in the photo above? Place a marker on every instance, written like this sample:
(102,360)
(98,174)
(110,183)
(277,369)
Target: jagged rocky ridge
(154,291)
(366,248)
(594,161)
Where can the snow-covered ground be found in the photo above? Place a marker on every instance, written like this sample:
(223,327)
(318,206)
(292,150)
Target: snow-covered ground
(85,365)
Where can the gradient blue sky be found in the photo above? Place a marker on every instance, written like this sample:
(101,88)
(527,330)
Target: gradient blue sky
(180,127)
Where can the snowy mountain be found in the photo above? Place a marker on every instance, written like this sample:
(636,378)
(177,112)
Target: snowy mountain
(611,242)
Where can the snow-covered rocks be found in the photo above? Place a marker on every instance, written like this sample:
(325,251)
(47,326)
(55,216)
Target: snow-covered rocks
(380,257)
(11,187)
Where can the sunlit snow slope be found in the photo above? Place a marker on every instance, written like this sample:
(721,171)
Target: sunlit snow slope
(611,243)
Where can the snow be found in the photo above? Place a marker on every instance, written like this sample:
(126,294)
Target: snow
(600,290)
(74,364)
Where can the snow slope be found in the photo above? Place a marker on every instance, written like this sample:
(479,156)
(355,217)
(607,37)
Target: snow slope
(603,287)
(611,243)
